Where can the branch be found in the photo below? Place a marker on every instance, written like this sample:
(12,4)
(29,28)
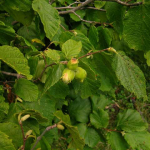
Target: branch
(88,54)
(24,139)
(76,8)
(68,7)
(12,74)
(125,3)
(85,20)
(40,137)
(65,62)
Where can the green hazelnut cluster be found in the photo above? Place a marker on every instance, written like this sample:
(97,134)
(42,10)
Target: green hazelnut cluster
(73,71)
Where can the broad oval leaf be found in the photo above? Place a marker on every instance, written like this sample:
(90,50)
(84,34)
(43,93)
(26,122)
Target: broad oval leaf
(136,27)
(138,140)
(53,54)
(71,48)
(23,5)
(5,142)
(26,90)
(49,17)
(99,119)
(80,109)
(117,141)
(131,120)
(7,33)
(15,59)
(130,75)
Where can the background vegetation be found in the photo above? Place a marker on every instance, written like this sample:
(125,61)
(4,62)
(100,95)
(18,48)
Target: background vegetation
(44,108)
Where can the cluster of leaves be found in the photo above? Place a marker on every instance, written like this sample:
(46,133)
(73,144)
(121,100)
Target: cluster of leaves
(111,40)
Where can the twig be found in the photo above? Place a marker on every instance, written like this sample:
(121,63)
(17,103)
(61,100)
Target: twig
(24,139)
(40,137)
(14,22)
(85,20)
(110,130)
(46,66)
(88,54)
(68,7)
(65,62)
(12,74)
(76,8)
(125,3)
(75,3)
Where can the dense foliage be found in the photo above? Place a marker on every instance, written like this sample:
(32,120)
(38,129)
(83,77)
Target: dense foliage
(74,75)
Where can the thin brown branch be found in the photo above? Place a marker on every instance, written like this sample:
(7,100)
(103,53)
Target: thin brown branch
(88,54)
(12,74)
(68,7)
(23,135)
(125,3)
(87,21)
(75,3)
(65,62)
(76,8)
(110,130)
(40,137)
(14,22)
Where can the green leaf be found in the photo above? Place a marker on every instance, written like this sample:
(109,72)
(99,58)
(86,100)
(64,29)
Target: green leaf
(79,110)
(15,59)
(91,73)
(81,13)
(105,71)
(54,76)
(53,54)
(3,105)
(136,31)
(76,142)
(91,137)
(86,44)
(147,56)
(99,4)
(114,17)
(46,106)
(26,90)
(49,17)
(5,142)
(100,102)
(138,140)
(23,5)
(99,119)
(24,17)
(93,36)
(7,33)
(88,88)
(130,120)
(59,90)
(13,131)
(71,48)
(89,134)
(105,37)
(116,141)
(130,75)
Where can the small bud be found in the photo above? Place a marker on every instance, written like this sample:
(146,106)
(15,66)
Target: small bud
(25,117)
(28,133)
(60,127)
(19,99)
(80,74)
(73,64)
(111,49)
(68,76)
